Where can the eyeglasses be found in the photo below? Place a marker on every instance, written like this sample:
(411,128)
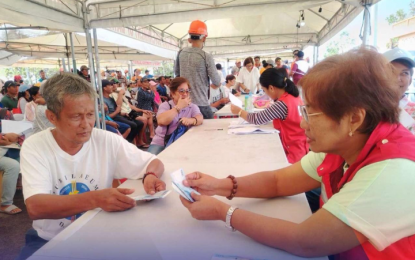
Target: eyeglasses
(305,114)
(182,91)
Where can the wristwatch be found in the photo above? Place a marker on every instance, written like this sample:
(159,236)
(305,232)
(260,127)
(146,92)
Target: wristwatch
(231,210)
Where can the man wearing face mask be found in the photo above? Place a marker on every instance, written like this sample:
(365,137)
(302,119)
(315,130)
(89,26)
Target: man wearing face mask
(198,67)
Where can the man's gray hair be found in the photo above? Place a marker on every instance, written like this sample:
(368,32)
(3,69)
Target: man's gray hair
(65,84)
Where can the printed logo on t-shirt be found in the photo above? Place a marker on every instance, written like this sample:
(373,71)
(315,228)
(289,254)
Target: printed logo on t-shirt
(71,185)
(74,188)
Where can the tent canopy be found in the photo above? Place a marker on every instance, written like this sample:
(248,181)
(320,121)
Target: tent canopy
(235,27)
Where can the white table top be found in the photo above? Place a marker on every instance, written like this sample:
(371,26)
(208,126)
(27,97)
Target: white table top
(164,229)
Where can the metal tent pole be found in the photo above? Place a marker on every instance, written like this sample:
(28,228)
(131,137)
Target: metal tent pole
(366,15)
(101,96)
(92,72)
(73,53)
(64,64)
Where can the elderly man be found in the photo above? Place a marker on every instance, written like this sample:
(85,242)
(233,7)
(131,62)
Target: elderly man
(74,171)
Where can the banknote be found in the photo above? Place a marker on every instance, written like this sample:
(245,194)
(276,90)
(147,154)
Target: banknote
(158,195)
(177,179)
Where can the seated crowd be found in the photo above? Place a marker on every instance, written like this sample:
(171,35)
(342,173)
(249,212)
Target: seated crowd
(344,152)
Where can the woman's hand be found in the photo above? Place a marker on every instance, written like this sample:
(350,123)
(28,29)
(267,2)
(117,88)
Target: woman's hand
(237,94)
(188,121)
(235,109)
(113,124)
(206,208)
(203,183)
(183,102)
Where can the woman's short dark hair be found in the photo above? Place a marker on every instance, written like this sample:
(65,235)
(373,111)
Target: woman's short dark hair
(279,79)
(360,78)
(219,66)
(248,60)
(230,78)
(33,91)
(176,82)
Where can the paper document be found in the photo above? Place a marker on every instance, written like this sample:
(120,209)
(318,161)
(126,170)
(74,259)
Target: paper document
(234,100)
(405,119)
(251,130)
(233,257)
(177,178)
(158,195)
(13,146)
(17,127)
(240,122)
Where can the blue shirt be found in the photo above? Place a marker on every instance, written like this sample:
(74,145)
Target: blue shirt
(145,99)
(149,76)
(110,102)
(162,90)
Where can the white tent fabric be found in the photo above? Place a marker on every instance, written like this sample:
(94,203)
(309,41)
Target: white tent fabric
(57,46)
(238,26)
(8,58)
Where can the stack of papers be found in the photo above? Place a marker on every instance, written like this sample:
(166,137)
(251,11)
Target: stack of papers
(177,178)
(158,195)
(240,123)
(17,127)
(251,130)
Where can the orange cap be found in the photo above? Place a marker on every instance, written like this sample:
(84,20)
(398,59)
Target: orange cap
(198,27)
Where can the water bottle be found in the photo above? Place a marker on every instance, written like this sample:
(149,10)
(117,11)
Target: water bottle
(246,103)
(250,104)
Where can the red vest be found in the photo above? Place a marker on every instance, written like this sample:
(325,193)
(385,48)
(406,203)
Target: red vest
(386,142)
(292,136)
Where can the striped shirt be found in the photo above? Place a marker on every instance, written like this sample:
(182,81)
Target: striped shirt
(278,110)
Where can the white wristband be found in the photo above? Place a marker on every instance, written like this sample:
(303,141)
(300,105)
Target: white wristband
(231,210)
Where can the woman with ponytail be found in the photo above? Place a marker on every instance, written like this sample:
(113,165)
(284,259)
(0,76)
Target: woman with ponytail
(283,113)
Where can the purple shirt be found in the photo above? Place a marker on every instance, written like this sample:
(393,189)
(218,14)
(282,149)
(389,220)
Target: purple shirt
(191,111)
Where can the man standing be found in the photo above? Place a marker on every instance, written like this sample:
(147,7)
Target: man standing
(148,75)
(257,61)
(85,73)
(42,76)
(162,89)
(299,67)
(10,98)
(198,68)
(235,69)
(75,170)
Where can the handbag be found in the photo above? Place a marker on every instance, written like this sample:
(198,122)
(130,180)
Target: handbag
(180,130)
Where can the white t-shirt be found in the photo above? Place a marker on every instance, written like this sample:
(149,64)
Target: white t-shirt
(216,94)
(222,79)
(378,202)
(249,79)
(47,169)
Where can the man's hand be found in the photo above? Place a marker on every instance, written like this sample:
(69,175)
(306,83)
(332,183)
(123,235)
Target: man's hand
(114,199)
(121,92)
(152,184)
(11,137)
(224,101)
